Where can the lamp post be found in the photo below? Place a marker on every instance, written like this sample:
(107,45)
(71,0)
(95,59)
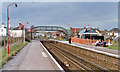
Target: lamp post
(8,26)
(30,35)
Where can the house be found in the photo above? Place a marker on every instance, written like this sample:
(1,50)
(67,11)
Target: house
(74,31)
(3,30)
(18,31)
(103,32)
(20,27)
(13,32)
(113,33)
(54,34)
(89,32)
(48,34)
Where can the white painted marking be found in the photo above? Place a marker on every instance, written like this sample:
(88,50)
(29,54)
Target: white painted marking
(43,54)
(52,58)
(114,55)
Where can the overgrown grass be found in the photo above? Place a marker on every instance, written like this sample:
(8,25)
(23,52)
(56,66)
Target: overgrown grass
(114,46)
(13,50)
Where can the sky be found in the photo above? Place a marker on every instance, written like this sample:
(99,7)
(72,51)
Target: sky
(77,14)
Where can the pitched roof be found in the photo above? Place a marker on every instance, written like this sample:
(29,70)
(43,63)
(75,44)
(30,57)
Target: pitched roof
(97,30)
(21,26)
(114,30)
(103,32)
(75,29)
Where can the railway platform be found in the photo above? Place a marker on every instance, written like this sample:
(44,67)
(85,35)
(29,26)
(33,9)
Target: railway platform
(33,56)
(93,48)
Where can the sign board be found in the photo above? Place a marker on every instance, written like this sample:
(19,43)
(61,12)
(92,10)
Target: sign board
(16,33)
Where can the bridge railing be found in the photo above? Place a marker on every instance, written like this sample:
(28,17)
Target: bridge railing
(52,28)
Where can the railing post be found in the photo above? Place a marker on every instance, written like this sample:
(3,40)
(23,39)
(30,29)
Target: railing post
(10,41)
(4,43)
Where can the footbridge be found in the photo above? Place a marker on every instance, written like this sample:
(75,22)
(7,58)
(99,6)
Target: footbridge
(51,28)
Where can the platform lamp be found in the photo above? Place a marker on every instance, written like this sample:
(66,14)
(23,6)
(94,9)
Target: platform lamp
(8,25)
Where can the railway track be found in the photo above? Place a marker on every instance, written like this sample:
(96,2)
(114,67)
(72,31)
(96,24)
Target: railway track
(79,62)
(99,61)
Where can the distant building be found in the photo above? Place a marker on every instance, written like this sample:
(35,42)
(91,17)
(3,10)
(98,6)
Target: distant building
(75,30)
(113,33)
(3,31)
(13,32)
(89,31)
(20,27)
(103,32)
(54,34)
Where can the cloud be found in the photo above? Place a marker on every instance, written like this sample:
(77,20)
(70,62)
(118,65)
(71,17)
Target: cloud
(0,13)
(77,14)
(59,0)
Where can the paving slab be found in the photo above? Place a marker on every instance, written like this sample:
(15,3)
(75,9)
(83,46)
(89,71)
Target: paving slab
(32,57)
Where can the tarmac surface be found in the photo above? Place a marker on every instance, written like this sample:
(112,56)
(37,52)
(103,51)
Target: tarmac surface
(32,57)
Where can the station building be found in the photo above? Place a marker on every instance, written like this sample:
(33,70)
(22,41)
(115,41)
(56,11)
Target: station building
(88,32)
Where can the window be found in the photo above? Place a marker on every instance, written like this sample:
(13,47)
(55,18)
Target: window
(1,30)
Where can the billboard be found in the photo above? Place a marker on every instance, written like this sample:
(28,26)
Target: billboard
(16,33)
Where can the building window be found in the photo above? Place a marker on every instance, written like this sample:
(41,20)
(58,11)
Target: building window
(1,30)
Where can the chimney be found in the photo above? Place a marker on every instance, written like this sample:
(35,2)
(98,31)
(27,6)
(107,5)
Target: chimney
(20,25)
(3,25)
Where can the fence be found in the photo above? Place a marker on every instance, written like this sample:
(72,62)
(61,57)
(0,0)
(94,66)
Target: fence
(12,40)
(83,41)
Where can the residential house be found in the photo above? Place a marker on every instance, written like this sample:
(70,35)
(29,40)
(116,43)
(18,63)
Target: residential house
(74,31)
(13,32)
(3,30)
(113,33)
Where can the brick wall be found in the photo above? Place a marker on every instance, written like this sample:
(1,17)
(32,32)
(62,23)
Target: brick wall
(83,41)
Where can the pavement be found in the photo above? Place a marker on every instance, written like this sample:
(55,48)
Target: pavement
(99,48)
(32,57)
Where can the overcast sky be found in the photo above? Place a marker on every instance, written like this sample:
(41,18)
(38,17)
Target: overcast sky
(77,14)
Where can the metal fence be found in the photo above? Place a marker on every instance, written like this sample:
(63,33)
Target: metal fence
(0,41)
(12,40)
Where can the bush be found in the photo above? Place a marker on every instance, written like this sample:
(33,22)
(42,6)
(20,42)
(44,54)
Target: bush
(114,46)
(13,50)
(115,41)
